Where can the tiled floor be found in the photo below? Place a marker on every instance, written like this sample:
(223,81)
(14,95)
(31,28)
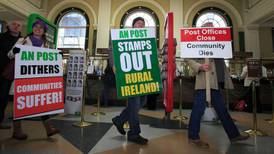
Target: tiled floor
(103,138)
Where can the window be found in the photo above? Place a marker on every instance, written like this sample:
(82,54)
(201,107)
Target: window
(72,29)
(217,17)
(151,19)
(211,17)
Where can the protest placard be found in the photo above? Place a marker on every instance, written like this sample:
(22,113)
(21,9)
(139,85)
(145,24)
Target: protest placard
(206,43)
(136,62)
(38,85)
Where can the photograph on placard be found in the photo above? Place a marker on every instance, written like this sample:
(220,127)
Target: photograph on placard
(75,59)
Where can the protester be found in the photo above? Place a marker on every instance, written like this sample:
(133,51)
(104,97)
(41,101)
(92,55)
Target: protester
(219,78)
(7,41)
(37,39)
(130,113)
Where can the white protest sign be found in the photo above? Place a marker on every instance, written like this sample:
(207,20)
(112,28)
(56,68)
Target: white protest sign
(206,43)
(38,86)
(34,62)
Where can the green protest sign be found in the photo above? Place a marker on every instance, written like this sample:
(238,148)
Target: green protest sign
(136,62)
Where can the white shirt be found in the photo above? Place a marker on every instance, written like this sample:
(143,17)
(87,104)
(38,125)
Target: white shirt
(248,80)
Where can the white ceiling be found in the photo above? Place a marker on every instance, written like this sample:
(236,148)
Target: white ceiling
(269,22)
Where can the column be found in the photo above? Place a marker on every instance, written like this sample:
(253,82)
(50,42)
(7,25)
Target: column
(176,6)
(103,30)
(252,40)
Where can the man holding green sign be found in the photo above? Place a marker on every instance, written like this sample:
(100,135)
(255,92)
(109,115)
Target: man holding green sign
(137,73)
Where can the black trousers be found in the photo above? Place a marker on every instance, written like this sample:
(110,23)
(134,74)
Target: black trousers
(152,101)
(4,96)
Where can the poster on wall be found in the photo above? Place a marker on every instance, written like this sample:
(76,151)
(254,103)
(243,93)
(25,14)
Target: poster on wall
(75,79)
(136,62)
(206,42)
(38,84)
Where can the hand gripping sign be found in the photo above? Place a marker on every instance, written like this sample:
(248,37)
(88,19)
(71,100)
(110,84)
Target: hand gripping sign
(38,86)
(206,43)
(136,62)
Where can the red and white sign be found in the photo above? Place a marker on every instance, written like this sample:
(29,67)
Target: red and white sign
(206,43)
(38,96)
(38,84)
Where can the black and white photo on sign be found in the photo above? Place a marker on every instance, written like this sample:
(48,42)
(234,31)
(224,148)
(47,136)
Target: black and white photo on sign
(81,67)
(74,75)
(75,67)
(80,75)
(74,83)
(75,59)
(70,67)
(69,75)
(80,83)
(70,59)
(81,59)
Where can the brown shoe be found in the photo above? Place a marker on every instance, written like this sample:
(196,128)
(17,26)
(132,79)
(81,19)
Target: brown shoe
(3,126)
(17,131)
(241,137)
(199,143)
(50,129)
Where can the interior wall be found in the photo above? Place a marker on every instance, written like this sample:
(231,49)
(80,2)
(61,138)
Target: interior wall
(240,12)
(265,34)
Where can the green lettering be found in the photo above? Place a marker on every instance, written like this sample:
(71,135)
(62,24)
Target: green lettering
(123,34)
(39,55)
(27,55)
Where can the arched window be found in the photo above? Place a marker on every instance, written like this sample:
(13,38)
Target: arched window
(215,16)
(211,17)
(73,28)
(151,19)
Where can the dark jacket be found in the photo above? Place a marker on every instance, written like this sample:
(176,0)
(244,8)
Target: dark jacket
(7,41)
(109,77)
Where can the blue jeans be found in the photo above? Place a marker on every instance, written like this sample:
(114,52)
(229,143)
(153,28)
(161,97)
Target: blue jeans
(130,114)
(219,106)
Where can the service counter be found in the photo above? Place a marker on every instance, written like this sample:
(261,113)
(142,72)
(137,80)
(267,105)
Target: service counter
(95,87)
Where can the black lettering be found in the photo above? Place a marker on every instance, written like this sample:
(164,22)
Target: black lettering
(40,69)
(46,69)
(56,69)
(51,69)
(206,53)
(34,69)
(23,69)
(29,69)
